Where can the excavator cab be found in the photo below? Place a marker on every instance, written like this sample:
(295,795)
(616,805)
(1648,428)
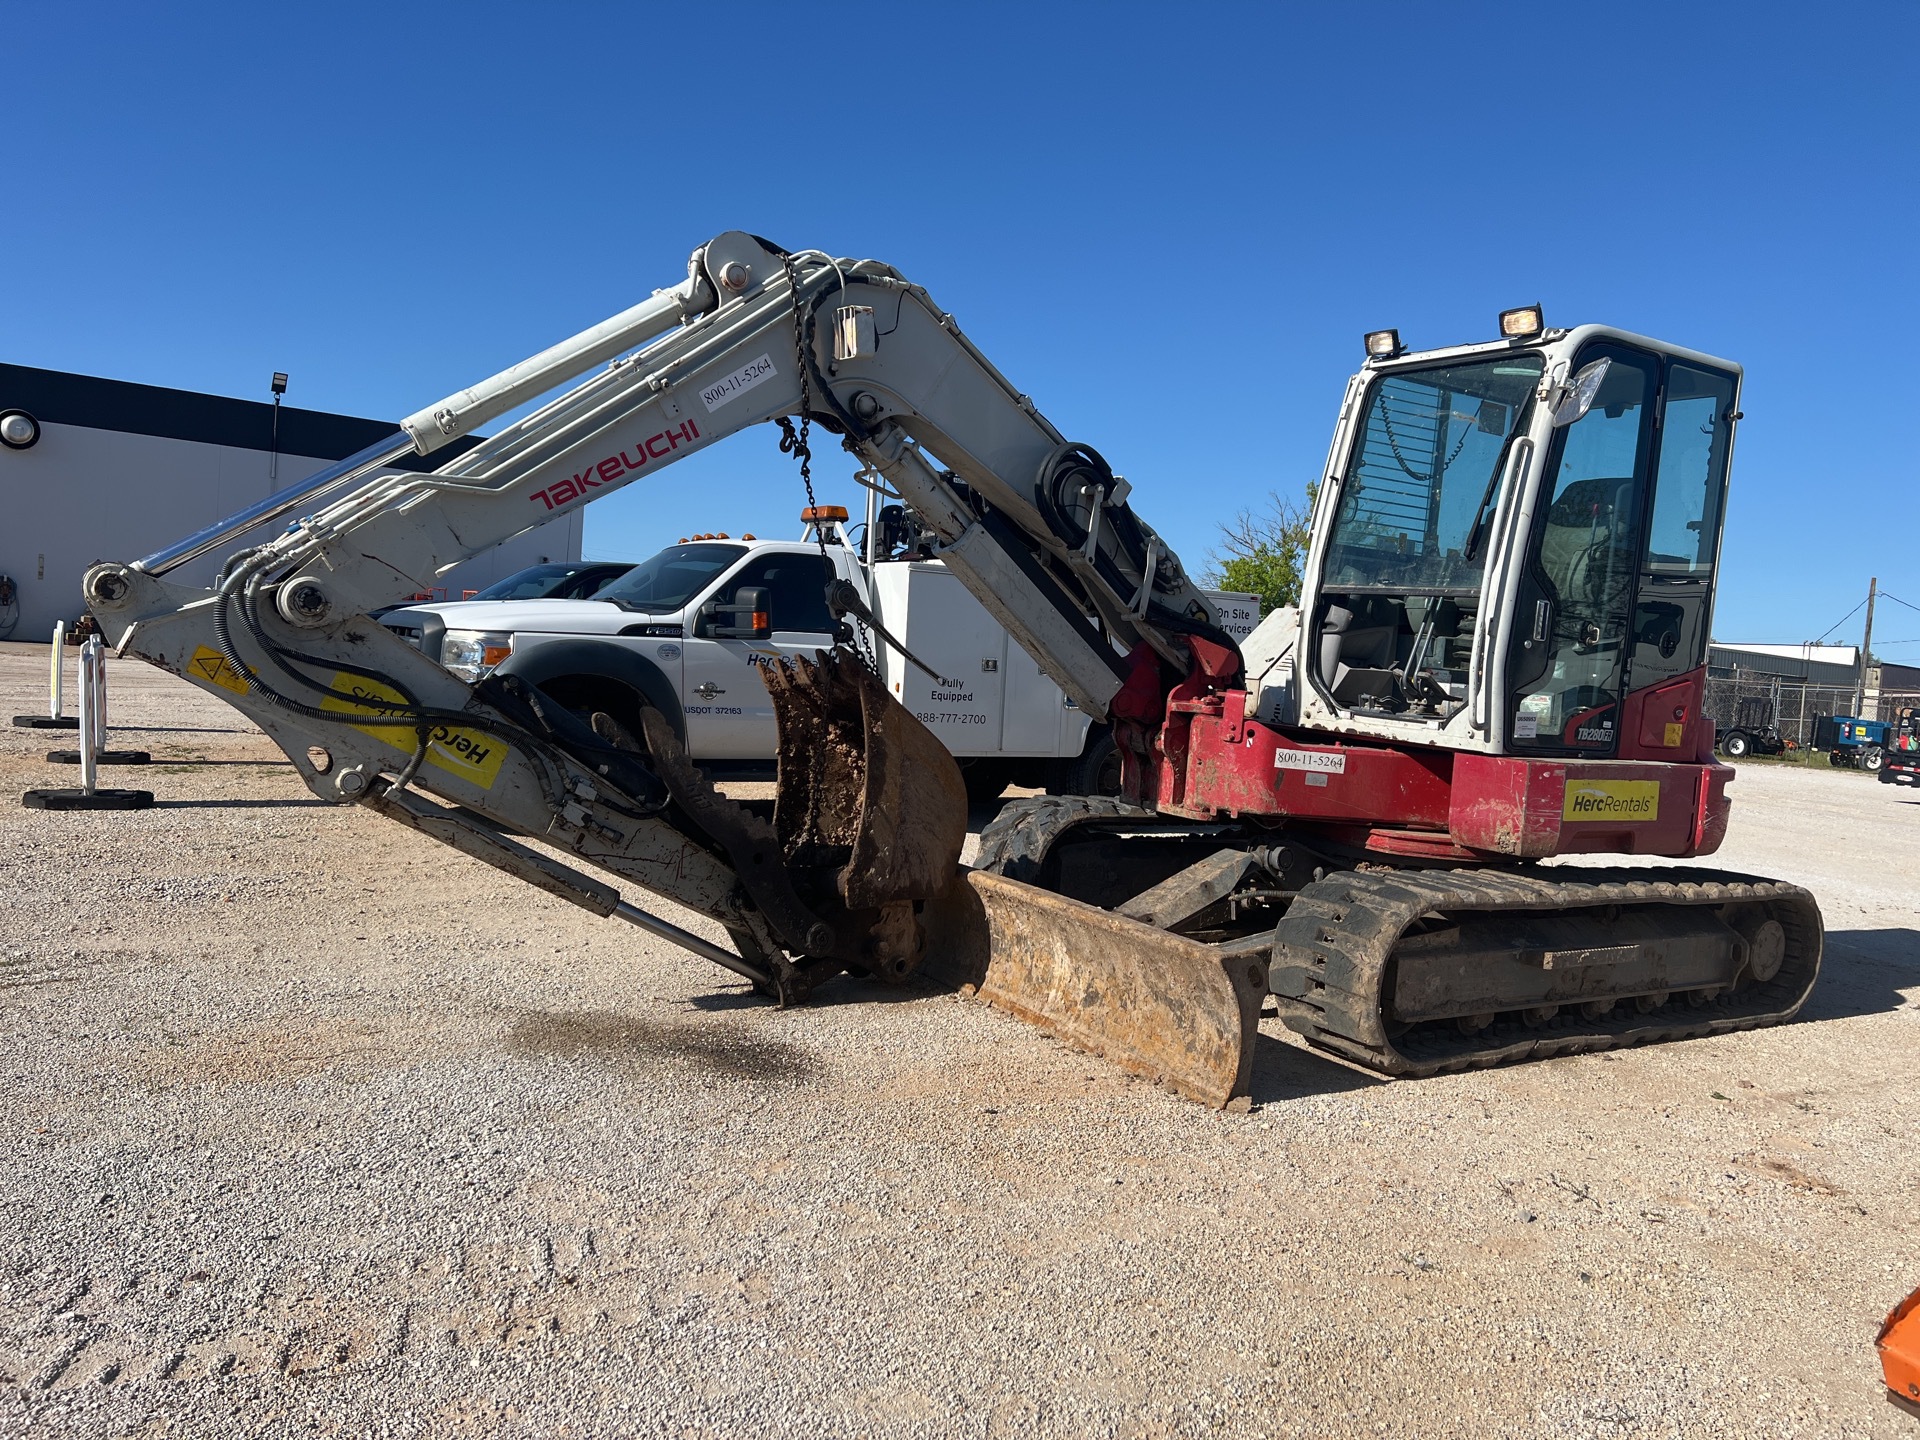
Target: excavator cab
(1515,545)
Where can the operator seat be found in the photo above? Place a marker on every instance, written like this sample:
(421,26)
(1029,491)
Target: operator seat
(1577,544)
(1356,646)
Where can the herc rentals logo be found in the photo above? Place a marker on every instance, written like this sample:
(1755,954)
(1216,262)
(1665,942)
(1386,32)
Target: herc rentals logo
(1631,800)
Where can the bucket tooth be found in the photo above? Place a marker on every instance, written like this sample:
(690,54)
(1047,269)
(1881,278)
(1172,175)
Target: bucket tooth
(1159,1005)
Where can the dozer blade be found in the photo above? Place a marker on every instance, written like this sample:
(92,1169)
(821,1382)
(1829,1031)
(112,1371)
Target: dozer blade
(864,788)
(1173,1010)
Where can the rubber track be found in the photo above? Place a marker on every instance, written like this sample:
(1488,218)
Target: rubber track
(1016,841)
(1332,948)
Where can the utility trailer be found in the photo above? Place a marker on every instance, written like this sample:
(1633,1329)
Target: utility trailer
(1751,731)
(1851,742)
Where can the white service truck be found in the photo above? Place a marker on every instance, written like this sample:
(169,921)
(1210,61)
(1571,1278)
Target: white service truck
(695,619)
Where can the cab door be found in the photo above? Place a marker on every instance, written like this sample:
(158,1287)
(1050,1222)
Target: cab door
(729,713)
(1673,612)
(1573,623)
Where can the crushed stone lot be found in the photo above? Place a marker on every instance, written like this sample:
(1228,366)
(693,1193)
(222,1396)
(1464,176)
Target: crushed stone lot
(311,1126)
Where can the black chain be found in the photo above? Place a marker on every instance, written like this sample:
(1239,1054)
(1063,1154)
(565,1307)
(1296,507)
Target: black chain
(796,443)
(1393,443)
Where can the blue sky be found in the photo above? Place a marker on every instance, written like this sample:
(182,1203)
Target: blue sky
(1170,225)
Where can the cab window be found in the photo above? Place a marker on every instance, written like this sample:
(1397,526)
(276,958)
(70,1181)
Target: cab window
(1695,435)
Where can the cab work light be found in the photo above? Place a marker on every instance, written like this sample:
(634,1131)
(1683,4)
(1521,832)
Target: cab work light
(1383,344)
(1519,324)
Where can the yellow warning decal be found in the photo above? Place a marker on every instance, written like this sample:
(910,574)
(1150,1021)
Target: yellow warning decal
(1675,733)
(209,664)
(470,755)
(1633,800)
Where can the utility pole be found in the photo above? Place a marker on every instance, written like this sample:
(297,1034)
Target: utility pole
(1866,649)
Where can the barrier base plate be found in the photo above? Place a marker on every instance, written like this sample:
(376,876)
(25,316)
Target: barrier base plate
(47,722)
(81,800)
(105,757)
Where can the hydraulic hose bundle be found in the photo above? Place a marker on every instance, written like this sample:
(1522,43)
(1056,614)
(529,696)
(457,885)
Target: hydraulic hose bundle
(1079,472)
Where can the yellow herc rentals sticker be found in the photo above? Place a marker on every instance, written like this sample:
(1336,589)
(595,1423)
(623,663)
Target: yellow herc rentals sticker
(1631,800)
(470,755)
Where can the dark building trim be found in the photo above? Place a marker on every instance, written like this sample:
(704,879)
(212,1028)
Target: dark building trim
(57,397)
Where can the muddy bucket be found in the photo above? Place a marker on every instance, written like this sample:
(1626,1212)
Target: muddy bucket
(866,792)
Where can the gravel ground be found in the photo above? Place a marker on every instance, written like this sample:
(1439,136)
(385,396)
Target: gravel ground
(306,1127)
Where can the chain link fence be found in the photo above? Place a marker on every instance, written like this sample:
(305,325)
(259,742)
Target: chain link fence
(1740,700)
(1892,704)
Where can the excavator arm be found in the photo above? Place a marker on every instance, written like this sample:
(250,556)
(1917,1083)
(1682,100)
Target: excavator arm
(1036,527)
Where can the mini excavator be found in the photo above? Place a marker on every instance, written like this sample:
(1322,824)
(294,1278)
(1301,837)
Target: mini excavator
(1498,659)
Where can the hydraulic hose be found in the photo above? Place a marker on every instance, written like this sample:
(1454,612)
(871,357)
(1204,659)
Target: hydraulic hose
(1065,473)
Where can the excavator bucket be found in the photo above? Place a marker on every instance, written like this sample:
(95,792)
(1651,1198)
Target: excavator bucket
(1899,1346)
(868,794)
(865,790)
(1179,1013)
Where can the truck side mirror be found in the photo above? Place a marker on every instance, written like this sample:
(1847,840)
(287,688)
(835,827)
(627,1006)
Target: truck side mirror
(749,617)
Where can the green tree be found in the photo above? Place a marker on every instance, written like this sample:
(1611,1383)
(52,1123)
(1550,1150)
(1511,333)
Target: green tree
(1264,553)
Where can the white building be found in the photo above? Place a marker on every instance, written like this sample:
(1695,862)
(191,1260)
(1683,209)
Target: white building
(117,471)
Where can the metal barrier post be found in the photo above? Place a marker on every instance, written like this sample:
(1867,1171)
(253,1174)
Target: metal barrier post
(89,718)
(59,668)
(92,724)
(99,653)
(53,719)
(93,750)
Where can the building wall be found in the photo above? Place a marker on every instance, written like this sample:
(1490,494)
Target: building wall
(1813,665)
(101,491)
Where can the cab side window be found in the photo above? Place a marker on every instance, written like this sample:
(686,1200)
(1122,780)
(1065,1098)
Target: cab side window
(796,588)
(1695,434)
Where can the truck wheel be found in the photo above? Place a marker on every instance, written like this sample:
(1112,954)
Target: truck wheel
(1736,745)
(1872,758)
(1097,771)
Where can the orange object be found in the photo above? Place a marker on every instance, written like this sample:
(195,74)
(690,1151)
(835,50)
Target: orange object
(1899,1345)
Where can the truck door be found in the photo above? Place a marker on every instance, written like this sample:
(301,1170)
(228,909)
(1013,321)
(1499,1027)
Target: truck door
(729,714)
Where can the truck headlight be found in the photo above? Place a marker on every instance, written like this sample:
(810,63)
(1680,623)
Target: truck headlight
(472,654)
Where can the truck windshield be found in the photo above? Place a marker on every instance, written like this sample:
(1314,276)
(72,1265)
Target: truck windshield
(537,582)
(1420,482)
(670,579)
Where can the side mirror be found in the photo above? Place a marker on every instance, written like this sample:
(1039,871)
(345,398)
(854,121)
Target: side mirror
(749,617)
(1577,396)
